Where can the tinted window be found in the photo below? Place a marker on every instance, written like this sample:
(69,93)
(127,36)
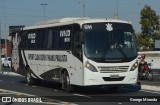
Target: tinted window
(112,43)
(44,38)
(39,38)
(50,38)
(31,39)
(65,37)
(55,39)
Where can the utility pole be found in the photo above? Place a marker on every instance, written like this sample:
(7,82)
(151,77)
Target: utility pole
(44,14)
(0,46)
(5,28)
(117,14)
(84,7)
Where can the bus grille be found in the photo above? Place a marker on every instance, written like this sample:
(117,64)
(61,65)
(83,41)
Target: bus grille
(113,79)
(113,69)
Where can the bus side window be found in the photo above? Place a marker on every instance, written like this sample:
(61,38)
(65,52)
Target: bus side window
(22,45)
(77,45)
(50,38)
(31,39)
(39,39)
(55,39)
(26,39)
(44,38)
(65,36)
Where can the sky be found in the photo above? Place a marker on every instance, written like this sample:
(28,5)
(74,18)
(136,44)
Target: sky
(29,12)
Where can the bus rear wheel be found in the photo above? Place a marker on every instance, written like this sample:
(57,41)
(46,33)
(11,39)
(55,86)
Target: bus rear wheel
(66,82)
(29,79)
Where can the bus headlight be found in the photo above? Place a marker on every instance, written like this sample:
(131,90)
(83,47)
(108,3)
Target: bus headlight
(134,66)
(90,67)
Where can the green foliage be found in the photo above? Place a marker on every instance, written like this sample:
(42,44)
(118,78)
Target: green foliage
(145,42)
(142,41)
(149,21)
(156,36)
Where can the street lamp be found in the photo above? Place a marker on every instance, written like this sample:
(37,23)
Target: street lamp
(44,10)
(116,15)
(83,2)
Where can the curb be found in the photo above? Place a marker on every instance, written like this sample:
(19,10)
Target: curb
(10,73)
(150,87)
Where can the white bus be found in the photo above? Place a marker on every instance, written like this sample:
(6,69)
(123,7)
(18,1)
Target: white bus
(77,51)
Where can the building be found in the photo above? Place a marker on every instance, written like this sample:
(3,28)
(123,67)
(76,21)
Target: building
(3,50)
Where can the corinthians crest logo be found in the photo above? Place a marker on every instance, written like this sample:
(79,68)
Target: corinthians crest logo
(109,27)
(15,54)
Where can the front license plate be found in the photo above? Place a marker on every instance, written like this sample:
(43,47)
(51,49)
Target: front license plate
(114,76)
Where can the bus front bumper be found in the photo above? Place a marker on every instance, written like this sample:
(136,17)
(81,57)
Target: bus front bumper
(96,78)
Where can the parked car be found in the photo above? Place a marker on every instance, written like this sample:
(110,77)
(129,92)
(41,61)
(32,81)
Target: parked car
(2,59)
(7,62)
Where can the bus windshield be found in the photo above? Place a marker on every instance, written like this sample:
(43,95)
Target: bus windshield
(109,42)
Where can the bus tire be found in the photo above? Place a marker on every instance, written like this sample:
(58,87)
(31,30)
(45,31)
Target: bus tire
(29,79)
(66,82)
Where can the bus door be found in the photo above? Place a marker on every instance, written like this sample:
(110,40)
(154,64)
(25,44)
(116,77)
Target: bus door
(77,50)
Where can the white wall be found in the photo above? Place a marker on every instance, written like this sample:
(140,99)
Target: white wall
(152,55)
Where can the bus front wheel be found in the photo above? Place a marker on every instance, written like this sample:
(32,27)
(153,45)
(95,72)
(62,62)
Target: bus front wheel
(66,82)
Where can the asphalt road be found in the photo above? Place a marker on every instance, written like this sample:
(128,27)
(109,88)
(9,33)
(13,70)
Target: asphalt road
(14,86)
(156,79)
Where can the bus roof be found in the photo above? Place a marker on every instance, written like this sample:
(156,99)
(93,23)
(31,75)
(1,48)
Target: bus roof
(70,20)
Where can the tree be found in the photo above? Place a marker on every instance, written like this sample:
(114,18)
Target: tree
(149,21)
(142,42)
